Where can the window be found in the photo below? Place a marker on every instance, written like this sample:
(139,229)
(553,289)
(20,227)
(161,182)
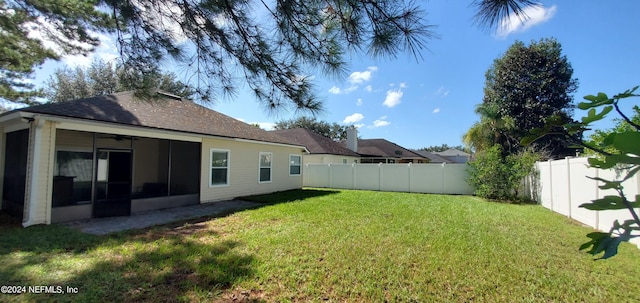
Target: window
(344,161)
(219,167)
(294,165)
(265,167)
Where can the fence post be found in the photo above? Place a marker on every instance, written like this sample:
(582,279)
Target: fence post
(550,184)
(568,163)
(353,176)
(330,184)
(409,165)
(379,176)
(443,178)
(597,197)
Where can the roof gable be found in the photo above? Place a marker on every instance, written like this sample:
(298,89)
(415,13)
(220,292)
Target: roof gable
(315,143)
(164,113)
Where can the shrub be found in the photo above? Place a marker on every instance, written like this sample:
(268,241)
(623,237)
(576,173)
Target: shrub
(498,177)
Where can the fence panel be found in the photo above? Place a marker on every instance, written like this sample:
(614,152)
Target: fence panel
(564,186)
(427,179)
(395,177)
(422,178)
(367,176)
(341,176)
(455,179)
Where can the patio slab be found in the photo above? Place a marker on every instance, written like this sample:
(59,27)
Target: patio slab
(103,226)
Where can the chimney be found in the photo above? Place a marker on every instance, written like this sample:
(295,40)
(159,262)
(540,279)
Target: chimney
(352,139)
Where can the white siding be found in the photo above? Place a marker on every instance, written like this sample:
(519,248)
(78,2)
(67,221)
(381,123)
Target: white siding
(244,169)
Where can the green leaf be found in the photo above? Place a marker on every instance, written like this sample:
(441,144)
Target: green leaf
(627,142)
(592,116)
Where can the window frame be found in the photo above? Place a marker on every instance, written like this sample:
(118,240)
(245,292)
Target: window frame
(211,167)
(298,165)
(260,167)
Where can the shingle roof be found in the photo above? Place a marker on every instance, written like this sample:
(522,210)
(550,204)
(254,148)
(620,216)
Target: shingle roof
(432,157)
(384,148)
(164,114)
(315,143)
(452,152)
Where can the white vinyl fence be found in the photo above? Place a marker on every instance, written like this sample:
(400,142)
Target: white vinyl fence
(563,186)
(418,178)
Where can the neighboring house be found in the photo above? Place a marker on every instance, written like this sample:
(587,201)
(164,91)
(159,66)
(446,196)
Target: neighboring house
(116,155)
(323,150)
(383,151)
(455,155)
(320,148)
(433,158)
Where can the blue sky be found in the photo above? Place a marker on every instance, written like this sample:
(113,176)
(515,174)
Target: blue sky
(431,101)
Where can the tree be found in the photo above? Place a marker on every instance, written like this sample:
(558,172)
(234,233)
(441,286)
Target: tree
(24,25)
(219,41)
(620,148)
(523,88)
(102,78)
(333,131)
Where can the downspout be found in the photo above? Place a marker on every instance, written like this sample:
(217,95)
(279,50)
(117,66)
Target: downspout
(31,205)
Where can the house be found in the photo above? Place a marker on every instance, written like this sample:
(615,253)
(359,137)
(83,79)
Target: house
(433,158)
(354,150)
(383,151)
(116,155)
(455,155)
(320,148)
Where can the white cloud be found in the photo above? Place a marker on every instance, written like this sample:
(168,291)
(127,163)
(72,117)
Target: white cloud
(335,90)
(265,125)
(436,110)
(393,98)
(358,125)
(442,92)
(360,77)
(368,88)
(357,117)
(403,85)
(533,15)
(359,102)
(380,122)
(350,89)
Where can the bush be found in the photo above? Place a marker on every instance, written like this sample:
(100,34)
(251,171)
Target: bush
(498,177)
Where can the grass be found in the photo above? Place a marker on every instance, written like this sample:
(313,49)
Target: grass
(329,245)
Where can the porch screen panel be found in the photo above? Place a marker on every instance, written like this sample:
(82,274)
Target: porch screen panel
(15,172)
(150,168)
(72,178)
(185,168)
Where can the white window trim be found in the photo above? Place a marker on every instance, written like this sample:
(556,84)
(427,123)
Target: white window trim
(294,155)
(211,151)
(270,167)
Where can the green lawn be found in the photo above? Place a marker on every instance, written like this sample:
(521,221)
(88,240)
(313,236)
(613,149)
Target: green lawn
(329,245)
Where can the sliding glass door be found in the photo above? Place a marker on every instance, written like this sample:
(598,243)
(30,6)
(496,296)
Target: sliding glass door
(113,183)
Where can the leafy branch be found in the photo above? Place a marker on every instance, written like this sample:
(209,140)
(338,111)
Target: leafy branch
(619,149)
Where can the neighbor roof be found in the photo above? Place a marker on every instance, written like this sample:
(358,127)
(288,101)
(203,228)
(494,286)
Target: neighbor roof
(315,143)
(432,157)
(166,113)
(452,152)
(384,148)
